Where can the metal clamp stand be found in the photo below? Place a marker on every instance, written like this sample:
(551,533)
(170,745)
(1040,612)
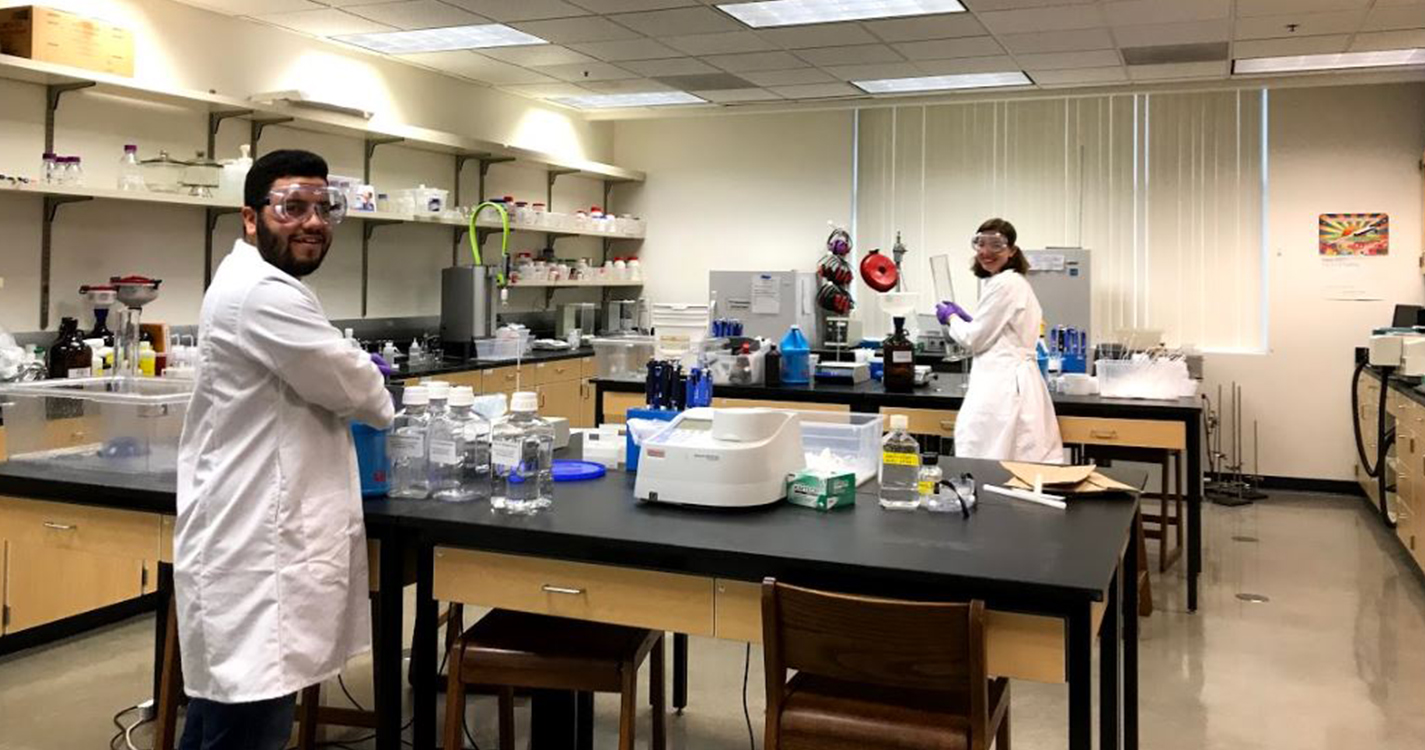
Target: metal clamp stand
(1229,486)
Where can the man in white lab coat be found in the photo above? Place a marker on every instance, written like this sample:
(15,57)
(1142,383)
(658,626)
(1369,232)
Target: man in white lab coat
(270,548)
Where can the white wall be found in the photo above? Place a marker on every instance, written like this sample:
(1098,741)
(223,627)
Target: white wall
(181,46)
(1333,150)
(747,193)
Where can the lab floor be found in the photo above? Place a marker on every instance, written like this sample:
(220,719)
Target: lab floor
(1335,658)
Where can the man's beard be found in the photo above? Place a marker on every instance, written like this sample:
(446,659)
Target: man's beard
(278,252)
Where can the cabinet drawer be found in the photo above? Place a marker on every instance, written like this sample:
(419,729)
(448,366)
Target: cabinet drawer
(1137,433)
(509,379)
(925,421)
(45,584)
(100,531)
(473,378)
(754,403)
(623,596)
(616,405)
(557,372)
(587,368)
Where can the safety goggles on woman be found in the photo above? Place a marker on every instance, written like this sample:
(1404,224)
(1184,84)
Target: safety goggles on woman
(989,241)
(294,204)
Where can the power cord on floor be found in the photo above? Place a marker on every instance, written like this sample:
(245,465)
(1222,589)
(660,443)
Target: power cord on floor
(126,732)
(746,714)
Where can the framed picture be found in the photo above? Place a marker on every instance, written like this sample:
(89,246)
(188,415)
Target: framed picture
(1354,234)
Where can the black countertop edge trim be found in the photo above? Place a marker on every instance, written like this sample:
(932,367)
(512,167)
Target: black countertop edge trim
(99,496)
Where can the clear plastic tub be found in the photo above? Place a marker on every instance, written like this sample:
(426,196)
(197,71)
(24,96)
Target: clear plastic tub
(1143,378)
(623,357)
(497,349)
(842,441)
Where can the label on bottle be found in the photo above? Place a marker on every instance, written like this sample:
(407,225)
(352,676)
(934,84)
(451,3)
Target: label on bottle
(444,452)
(406,447)
(925,488)
(891,458)
(903,357)
(505,454)
(80,372)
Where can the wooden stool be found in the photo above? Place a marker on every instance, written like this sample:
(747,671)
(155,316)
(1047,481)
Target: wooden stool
(518,650)
(1156,525)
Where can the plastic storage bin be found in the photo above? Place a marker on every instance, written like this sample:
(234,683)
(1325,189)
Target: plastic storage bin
(497,349)
(623,357)
(1144,378)
(853,441)
(100,425)
(679,329)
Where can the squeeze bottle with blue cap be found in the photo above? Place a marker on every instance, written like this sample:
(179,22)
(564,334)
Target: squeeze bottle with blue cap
(796,357)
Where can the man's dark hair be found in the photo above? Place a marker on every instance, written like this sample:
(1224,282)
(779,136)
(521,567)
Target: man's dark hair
(1017,262)
(274,166)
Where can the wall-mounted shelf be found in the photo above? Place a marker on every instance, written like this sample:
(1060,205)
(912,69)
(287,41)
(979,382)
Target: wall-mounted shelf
(494,224)
(140,196)
(579,284)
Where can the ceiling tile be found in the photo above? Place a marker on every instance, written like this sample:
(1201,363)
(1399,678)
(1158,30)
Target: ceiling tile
(326,22)
(737,95)
(537,54)
(677,66)
(874,71)
(817,90)
(750,61)
(1139,12)
(1079,76)
(1058,41)
(1179,71)
(990,64)
(1297,45)
(855,55)
(351,3)
(1307,24)
(1056,18)
(474,65)
(1390,19)
(418,14)
(581,72)
(626,49)
(255,7)
(1173,33)
(1377,40)
(1069,60)
(719,44)
(980,6)
(790,77)
(548,89)
(524,10)
(818,35)
(678,21)
(566,30)
(719,81)
(943,26)
(629,86)
(1248,8)
(940,49)
(625,6)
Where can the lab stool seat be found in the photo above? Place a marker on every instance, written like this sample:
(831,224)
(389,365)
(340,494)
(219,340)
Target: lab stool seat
(821,713)
(508,650)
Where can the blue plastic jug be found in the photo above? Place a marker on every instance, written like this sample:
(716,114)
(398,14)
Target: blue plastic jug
(371,461)
(796,357)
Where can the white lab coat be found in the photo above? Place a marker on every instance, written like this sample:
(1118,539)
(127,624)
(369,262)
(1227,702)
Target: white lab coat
(1007,414)
(270,549)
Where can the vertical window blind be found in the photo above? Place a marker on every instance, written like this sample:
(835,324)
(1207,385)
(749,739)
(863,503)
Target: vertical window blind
(1167,191)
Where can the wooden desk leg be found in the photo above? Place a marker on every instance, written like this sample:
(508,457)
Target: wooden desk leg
(1080,664)
(386,656)
(160,625)
(680,672)
(1194,468)
(171,686)
(1130,651)
(1110,678)
(424,650)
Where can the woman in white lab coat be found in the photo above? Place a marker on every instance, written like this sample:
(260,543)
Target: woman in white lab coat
(1007,413)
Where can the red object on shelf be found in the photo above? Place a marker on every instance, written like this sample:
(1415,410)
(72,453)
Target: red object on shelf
(879,272)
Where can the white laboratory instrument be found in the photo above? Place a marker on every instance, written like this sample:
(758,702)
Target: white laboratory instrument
(1412,356)
(726,458)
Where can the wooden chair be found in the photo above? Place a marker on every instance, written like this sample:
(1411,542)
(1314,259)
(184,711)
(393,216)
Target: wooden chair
(512,650)
(877,673)
(1170,494)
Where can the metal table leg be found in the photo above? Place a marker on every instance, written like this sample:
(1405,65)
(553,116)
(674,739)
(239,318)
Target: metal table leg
(1080,662)
(1128,585)
(386,656)
(553,720)
(425,651)
(680,671)
(1194,508)
(1110,678)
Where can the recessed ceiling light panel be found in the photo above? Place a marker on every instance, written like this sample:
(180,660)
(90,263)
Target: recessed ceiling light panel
(1340,61)
(944,83)
(799,12)
(645,99)
(445,39)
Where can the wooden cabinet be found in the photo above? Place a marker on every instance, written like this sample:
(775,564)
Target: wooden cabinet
(586,403)
(560,400)
(508,379)
(558,372)
(616,405)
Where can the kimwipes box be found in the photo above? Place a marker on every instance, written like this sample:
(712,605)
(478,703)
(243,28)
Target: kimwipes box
(62,38)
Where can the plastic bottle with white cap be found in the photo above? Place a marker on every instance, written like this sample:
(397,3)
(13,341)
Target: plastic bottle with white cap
(522,458)
(439,391)
(900,466)
(459,450)
(406,445)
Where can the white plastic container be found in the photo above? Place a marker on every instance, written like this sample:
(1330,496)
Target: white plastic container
(497,349)
(678,327)
(852,442)
(1163,379)
(623,357)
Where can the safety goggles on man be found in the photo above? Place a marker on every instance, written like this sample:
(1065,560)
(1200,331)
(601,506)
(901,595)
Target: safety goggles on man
(294,204)
(989,241)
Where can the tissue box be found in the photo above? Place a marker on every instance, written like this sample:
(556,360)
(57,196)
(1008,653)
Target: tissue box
(823,490)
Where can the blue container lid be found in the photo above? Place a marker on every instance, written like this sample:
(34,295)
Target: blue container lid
(566,470)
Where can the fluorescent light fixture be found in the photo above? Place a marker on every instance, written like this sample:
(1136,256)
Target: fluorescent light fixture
(645,99)
(797,12)
(1341,61)
(441,40)
(943,83)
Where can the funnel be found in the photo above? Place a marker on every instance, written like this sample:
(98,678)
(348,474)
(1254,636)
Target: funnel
(899,304)
(136,291)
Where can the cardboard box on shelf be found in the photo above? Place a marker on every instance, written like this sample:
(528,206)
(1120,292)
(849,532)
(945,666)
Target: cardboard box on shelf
(55,36)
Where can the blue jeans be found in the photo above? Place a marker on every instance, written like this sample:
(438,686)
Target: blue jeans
(261,725)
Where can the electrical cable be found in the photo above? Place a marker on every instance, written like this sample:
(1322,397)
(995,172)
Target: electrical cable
(1384,438)
(126,731)
(746,714)
(342,683)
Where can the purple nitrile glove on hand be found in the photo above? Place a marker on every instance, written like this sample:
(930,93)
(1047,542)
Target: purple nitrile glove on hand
(945,310)
(381,364)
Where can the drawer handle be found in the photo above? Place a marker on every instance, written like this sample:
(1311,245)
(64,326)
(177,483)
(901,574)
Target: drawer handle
(562,590)
(60,526)
(947,424)
(1104,434)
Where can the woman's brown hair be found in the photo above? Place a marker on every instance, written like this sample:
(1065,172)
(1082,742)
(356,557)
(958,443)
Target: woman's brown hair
(1016,262)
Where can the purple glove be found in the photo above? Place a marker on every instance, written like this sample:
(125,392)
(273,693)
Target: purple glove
(381,364)
(945,310)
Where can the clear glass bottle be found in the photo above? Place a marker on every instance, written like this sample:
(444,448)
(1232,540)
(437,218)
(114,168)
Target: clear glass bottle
(406,446)
(522,458)
(130,173)
(74,172)
(460,451)
(51,168)
(932,497)
(900,467)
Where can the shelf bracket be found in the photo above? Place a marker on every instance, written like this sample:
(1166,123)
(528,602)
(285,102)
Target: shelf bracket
(555,174)
(548,296)
(487,161)
(48,212)
(259,125)
(367,228)
(371,144)
(210,223)
(215,119)
(52,94)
